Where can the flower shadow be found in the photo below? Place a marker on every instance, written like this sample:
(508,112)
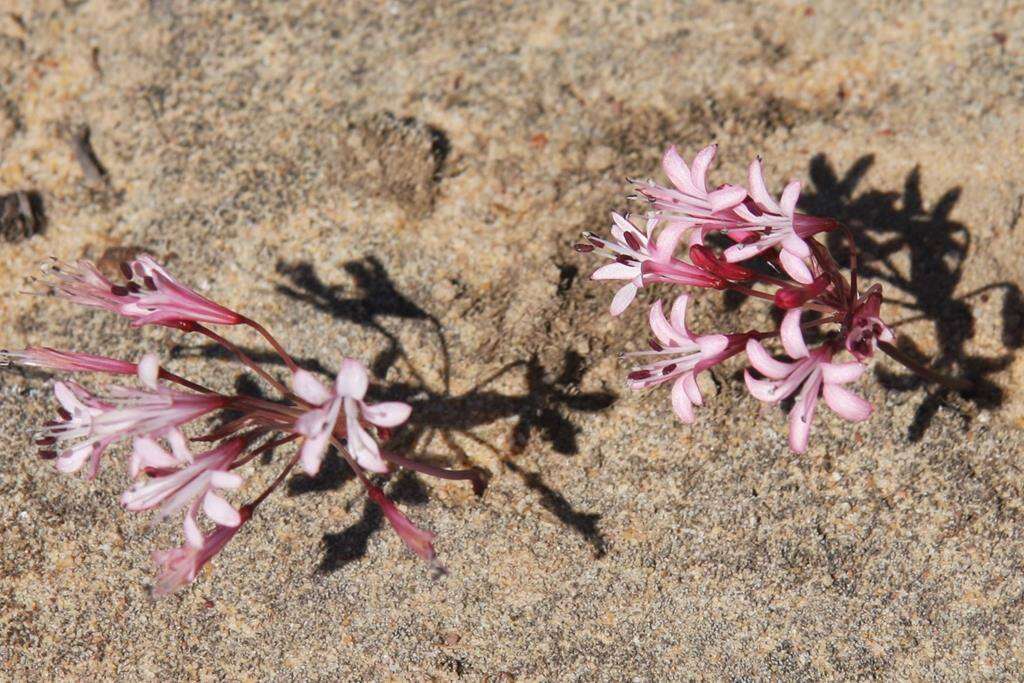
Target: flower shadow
(544,410)
(885,224)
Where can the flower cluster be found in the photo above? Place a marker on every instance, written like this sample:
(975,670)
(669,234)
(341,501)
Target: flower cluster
(167,475)
(740,238)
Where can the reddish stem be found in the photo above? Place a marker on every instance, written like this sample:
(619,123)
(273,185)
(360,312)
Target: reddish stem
(954,383)
(273,342)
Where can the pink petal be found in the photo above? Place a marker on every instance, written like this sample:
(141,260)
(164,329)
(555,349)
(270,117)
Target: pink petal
(758,191)
(623,298)
(193,535)
(699,168)
(72,461)
(799,429)
(67,398)
(668,240)
(352,379)
(225,480)
(712,344)
(149,370)
(841,373)
(615,271)
(692,390)
(796,246)
(312,453)
(846,403)
(179,446)
(789,196)
(220,511)
(678,315)
(660,326)
(681,401)
(764,363)
(388,414)
(795,267)
(676,170)
(307,387)
(727,197)
(762,390)
(792,335)
(741,251)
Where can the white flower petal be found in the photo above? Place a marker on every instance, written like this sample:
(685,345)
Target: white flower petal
(353,379)
(220,511)
(623,298)
(792,335)
(764,363)
(149,371)
(387,414)
(846,403)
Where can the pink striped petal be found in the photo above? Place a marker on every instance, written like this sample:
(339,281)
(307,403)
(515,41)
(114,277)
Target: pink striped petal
(225,480)
(846,403)
(789,196)
(764,363)
(193,534)
(726,197)
(307,387)
(352,379)
(762,390)
(615,271)
(796,246)
(792,335)
(799,428)
(689,381)
(841,373)
(623,298)
(220,511)
(681,401)
(676,170)
(149,370)
(678,315)
(795,267)
(387,414)
(758,191)
(699,168)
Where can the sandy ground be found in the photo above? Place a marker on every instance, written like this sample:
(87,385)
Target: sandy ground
(403,182)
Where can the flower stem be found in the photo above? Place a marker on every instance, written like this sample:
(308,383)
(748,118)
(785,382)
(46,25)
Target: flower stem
(241,355)
(474,474)
(954,383)
(273,342)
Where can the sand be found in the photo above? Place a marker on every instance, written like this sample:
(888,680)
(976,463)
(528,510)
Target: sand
(403,182)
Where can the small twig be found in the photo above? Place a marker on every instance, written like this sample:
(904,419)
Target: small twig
(85,155)
(954,383)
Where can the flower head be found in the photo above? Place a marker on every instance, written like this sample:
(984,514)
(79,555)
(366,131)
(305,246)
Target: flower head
(177,479)
(678,356)
(149,296)
(180,566)
(89,423)
(631,250)
(866,327)
(349,390)
(812,373)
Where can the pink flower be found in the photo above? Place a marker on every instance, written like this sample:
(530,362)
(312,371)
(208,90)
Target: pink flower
(178,478)
(180,566)
(150,294)
(630,251)
(689,203)
(317,425)
(68,361)
(680,357)
(93,423)
(417,540)
(866,328)
(813,374)
(777,224)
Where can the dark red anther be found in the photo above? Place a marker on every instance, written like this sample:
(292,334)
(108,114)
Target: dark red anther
(133,287)
(150,285)
(597,242)
(625,259)
(584,248)
(126,270)
(655,344)
(64,414)
(631,240)
(47,455)
(639,374)
(668,369)
(46,441)
(118,290)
